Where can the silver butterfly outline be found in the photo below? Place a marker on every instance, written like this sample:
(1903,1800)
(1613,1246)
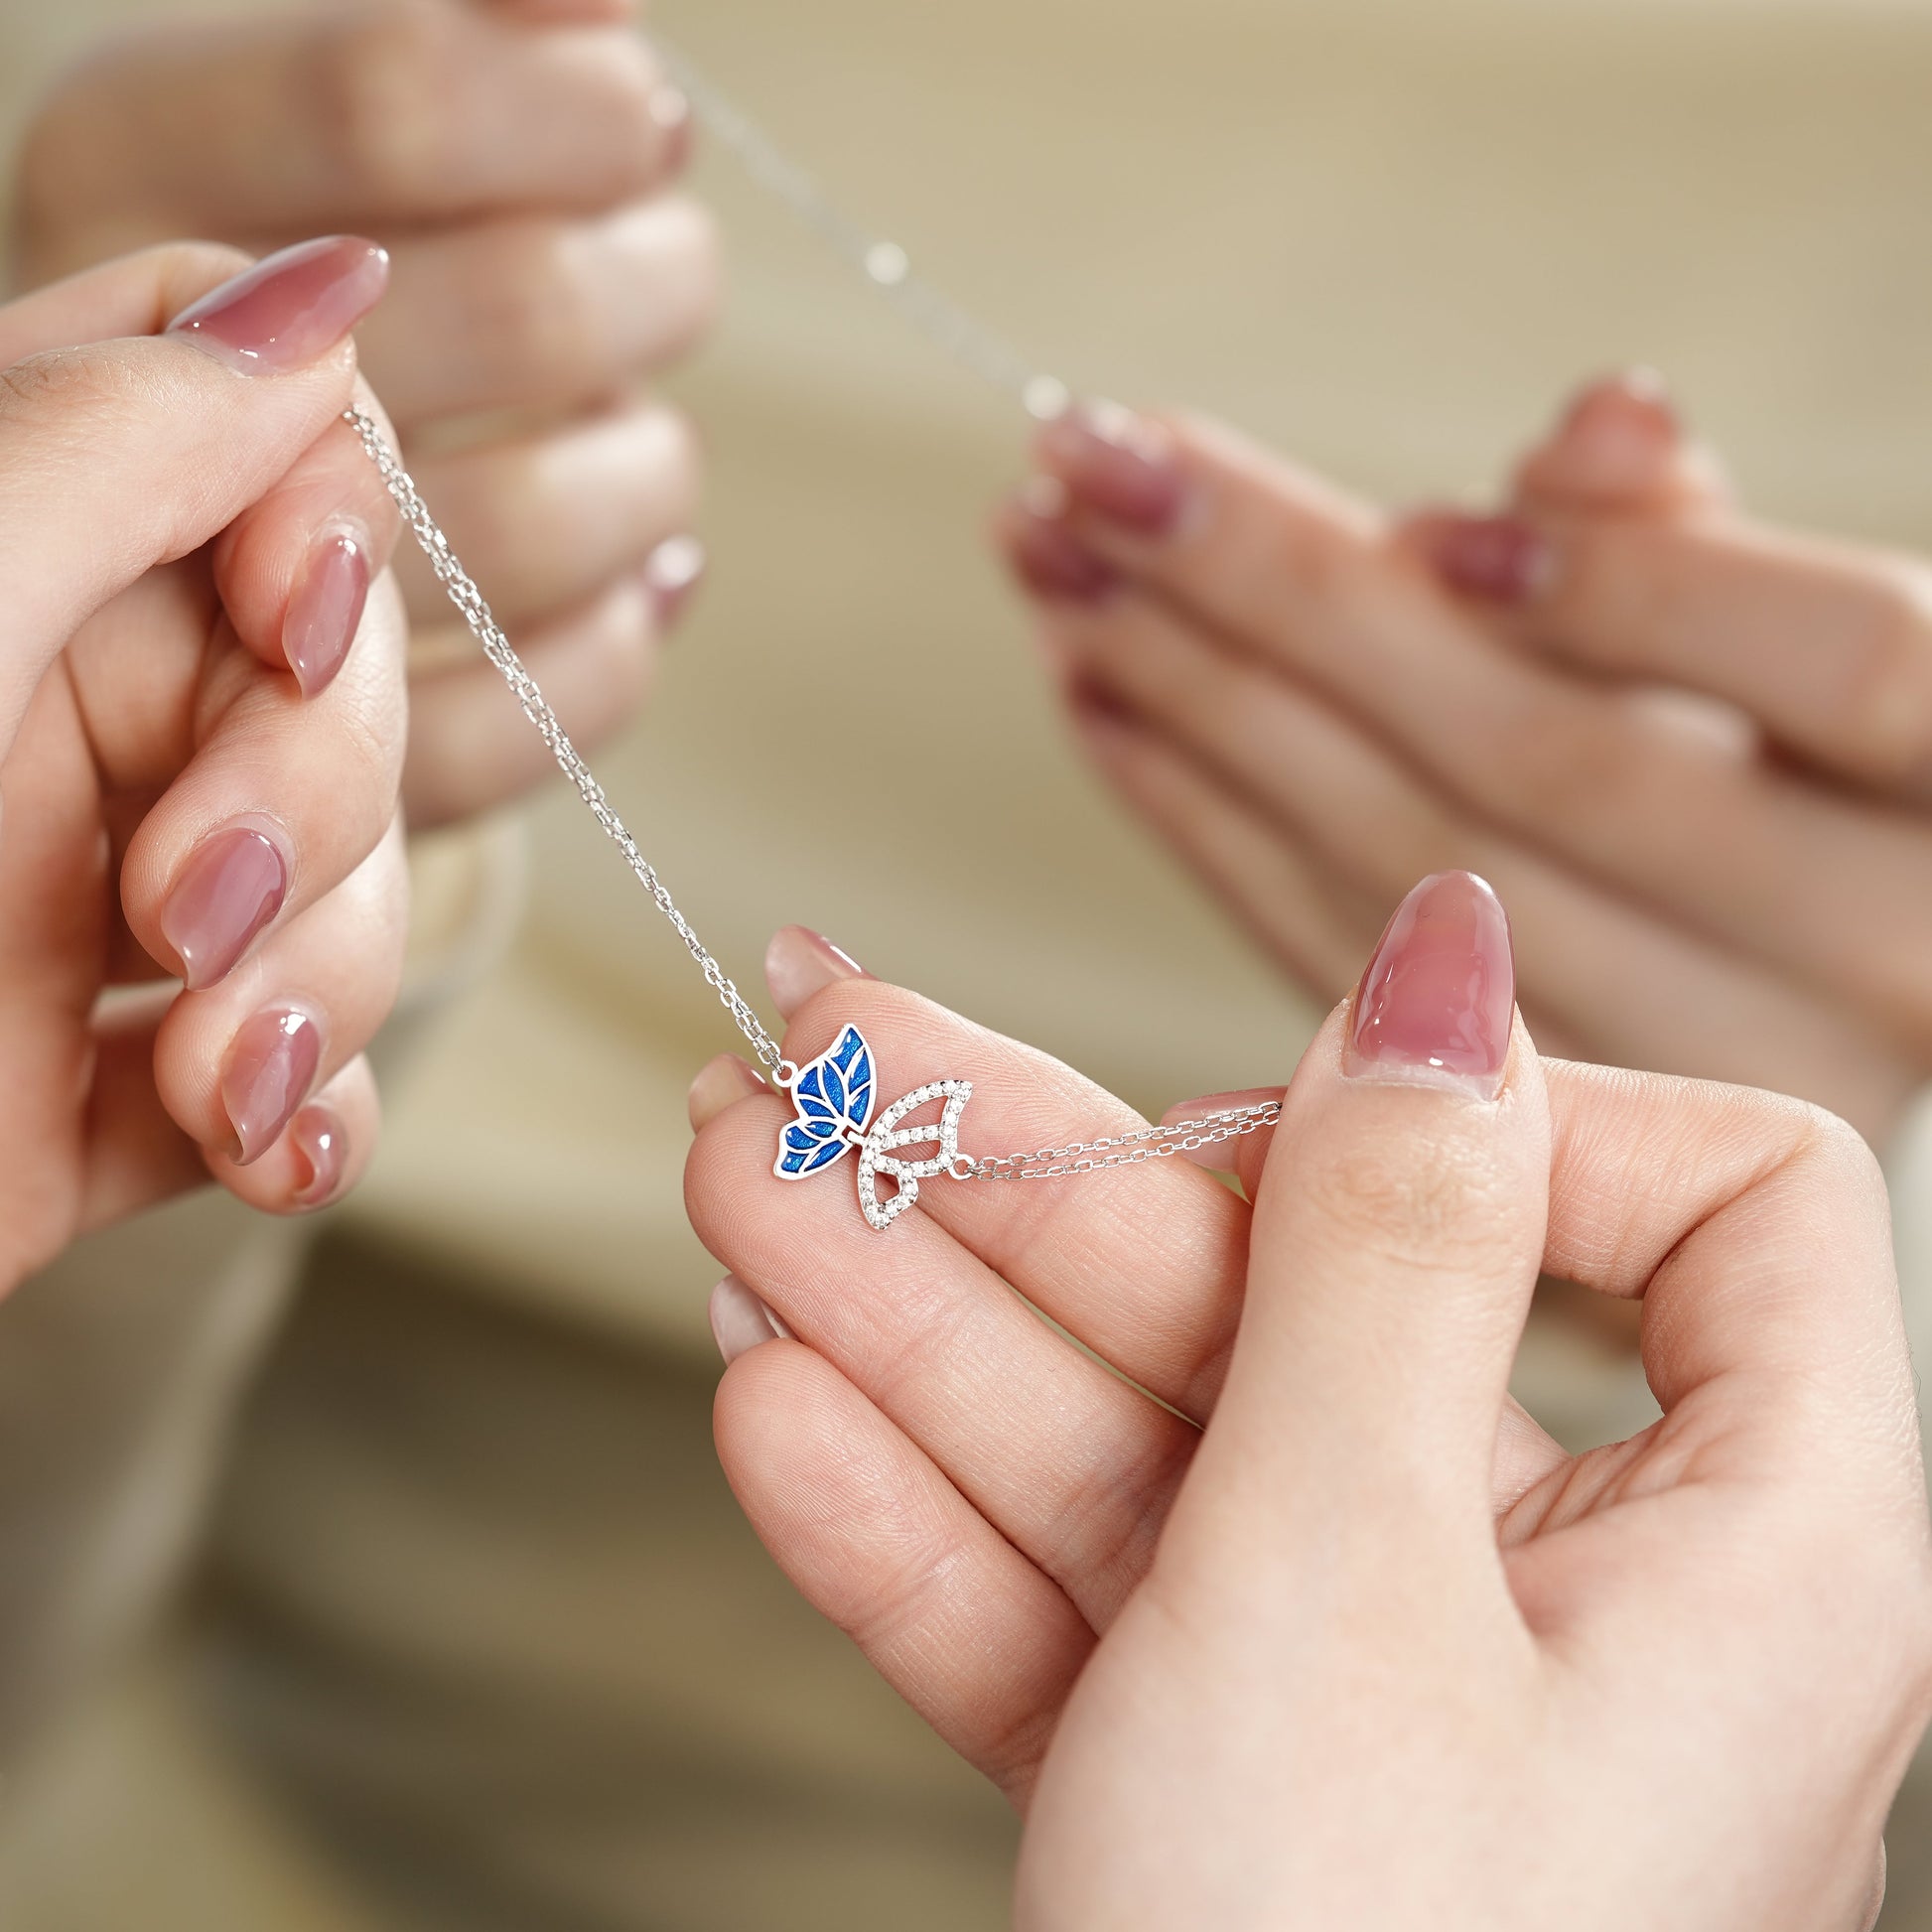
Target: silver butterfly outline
(834,1095)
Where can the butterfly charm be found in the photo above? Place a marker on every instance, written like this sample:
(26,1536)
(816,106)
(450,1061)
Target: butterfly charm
(834,1095)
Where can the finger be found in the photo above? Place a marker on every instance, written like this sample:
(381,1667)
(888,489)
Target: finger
(153,441)
(382,116)
(136,1154)
(236,1062)
(540,312)
(950,1355)
(278,798)
(880,1543)
(1268,882)
(1827,646)
(1606,781)
(558,516)
(1620,445)
(1391,1271)
(1143,1264)
(470,748)
(1281,768)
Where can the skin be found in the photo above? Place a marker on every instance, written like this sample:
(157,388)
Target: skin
(145,703)
(1691,753)
(537,285)
(1331,1633)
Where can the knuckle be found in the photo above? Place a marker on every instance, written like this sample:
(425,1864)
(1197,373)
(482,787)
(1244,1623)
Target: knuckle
(546,310)
(375,96)
(69,391)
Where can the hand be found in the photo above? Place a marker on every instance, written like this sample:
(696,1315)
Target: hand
(517,160)
(172,800)
(1313,703)
(1367,1648)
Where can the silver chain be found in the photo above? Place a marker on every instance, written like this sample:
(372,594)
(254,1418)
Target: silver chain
(881,265)
(470,602)
(1044,1163)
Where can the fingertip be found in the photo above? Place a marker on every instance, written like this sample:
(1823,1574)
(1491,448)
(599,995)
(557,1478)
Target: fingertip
(1619,439)
(800,962)
(721,1082)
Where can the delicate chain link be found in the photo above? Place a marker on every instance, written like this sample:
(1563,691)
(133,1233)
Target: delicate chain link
(884,266)
(1127,1149)
(475,613)
(1045,1164)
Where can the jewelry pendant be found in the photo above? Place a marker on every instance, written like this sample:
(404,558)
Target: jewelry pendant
(834,1097)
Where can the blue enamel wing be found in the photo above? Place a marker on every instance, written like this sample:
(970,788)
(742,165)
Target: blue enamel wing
(834,1096)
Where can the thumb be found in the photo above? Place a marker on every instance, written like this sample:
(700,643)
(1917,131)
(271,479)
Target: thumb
(125,453)
(1396,1243)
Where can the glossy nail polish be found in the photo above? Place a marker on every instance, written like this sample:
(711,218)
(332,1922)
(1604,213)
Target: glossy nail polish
(322,1152)
(1498,558)
(739,1320)
(1436,1002)
(721,1082)
(290,308)
(1119,466)
(800,962)
(671,573)
(1047,557)
(232,884)
(270,1068)
(326,607)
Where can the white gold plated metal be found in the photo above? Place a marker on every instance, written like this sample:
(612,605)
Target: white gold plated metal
(833,1096)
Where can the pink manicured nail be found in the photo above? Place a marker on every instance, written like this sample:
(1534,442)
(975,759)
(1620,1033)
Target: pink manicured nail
(271,1067)
(1495,557)
(1118,465)
(671,114)
(326,608)
(1436,1002)
(232,884)
(800,962)
(671,574)
(739,1320)
(1048,558)
(290,307)
(322,1147)
(721,1082)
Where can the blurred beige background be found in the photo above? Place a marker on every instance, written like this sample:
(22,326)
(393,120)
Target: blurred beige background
(471,1633)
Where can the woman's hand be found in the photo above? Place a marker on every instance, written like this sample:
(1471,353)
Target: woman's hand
(1323,1629)
(1694,755)
(517,159)
(176,801)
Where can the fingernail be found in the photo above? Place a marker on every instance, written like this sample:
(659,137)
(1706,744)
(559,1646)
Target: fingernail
(290,307)
(800,962)
(1097,702)
(671,574)
(1118,465)
(232,884)
(1495,557)
(739,1320)
(1436,1002)
(322,1147)
(270,1070)
(1620,435)
(721,1082)
(327,607)
(1046,556)
(671,114)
